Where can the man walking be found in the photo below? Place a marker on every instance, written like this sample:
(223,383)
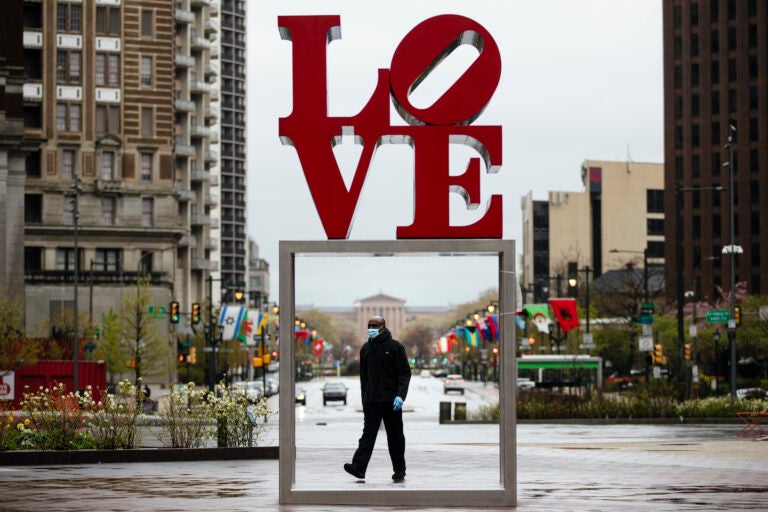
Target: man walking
(384,378)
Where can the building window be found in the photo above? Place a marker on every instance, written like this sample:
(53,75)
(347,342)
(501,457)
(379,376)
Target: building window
(65,259)
(754,131)
(146,71)
(731,39)
(695,109)
(33,208)
(33,115)
(68,17)
(654,200)
(67,164)
(715,102)
(713,10)
(147,23)
(717,225)
(696,231)
(655,227)
(33,259)
(146,166)
(68,66)
(107,119)
(752,36)
(678,167)
(655,249)
(753,103)
(146,121)
(714,41)
(715,133)
(752,65)
(694,75)
(69,210)
(32,164)
(145,262)
(696,166)
(732,72)
(147,211)
(731,100)
(678,106)
(678,77)
(678,137)
(107,260)
(695,135)
(108,21)
(694,45)
(678,47)
(108,166)
(694,14)
(754,160)
(107,69)
(108,210)
(68,117)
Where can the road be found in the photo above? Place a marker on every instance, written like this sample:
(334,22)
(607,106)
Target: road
(560,467)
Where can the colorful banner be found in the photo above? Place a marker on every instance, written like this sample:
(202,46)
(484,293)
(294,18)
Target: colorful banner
(317,346)
(566,313)
(470,333)
(519,320)
(443,345)
(539,315)
(230,320)
(493,325)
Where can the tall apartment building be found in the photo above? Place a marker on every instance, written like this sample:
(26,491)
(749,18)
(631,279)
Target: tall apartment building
(621,207)
(14,147)
(258,277)
(234,243)
(716,75)
(196,142)
(100,92)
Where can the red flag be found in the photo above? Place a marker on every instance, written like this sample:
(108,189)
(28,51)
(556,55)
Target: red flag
(565,311)
(317,346)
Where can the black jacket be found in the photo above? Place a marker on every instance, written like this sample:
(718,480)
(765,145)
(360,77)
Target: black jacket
(384,369)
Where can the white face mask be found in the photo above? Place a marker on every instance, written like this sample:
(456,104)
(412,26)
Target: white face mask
(372,333)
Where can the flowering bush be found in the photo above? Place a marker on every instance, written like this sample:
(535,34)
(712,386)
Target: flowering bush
(113,421)
(9,434)
(54,420)
(236,416)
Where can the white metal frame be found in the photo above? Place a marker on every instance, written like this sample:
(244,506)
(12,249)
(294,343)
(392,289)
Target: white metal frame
(506,494)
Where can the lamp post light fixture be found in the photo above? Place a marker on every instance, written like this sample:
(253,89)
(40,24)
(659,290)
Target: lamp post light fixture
(75,190)
(213,340)
(573,281)
(732,249)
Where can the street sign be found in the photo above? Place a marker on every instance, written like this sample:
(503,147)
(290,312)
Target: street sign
(656,372)
(645,319)
(647,308)
(692,330)
(587,346)
(645,343)
(731,324)
(718,316)
(647,330)
(586,338)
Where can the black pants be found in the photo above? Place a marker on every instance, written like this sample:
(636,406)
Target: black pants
(393,423)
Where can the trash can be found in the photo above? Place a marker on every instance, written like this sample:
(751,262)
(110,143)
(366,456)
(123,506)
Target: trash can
(460,411)
(445,412)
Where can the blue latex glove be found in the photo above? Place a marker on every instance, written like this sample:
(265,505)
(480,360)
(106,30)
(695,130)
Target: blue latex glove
(398,404)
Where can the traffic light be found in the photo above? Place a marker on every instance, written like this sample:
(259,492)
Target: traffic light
(274,355)
(174,312)
(195,313)
(192,357)
(687,351)
(181,351)
(658,354)
(737,315)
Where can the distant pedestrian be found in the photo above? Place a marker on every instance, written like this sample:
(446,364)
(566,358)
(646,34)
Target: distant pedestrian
(384,378)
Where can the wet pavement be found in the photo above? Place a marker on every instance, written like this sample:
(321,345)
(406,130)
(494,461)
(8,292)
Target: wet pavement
(559,468)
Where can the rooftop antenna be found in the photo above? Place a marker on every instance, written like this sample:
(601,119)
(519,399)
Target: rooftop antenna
(629,160)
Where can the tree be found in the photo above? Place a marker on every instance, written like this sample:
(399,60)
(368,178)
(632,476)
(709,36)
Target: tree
(110,347)
(419,337)
(148,351)
(15,350)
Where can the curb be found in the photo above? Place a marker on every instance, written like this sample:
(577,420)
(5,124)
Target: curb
(45,458)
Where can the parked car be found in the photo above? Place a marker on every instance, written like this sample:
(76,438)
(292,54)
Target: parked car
(301,396)
(750,393)
(441,373)
(524,384)
(252,389)
(334,391)
(425,374)
(453,383)
(273,386)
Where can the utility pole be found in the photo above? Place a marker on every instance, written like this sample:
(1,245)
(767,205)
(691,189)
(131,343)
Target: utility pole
(75,189)
(732,250)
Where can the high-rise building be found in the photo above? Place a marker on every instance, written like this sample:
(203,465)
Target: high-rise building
(99,91)
(715,77)
(621,209)
(196,146)
(14,148)
(258,277)
(234,243)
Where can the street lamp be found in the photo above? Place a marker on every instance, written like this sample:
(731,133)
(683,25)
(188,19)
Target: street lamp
(75,190)
(732,249)
(573,281)
(213,340)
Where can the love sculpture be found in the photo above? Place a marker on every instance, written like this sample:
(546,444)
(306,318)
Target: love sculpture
(430,130)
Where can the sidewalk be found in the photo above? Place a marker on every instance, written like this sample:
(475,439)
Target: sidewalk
(589,471)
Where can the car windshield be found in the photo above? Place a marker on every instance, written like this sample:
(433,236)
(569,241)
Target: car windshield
(334,385)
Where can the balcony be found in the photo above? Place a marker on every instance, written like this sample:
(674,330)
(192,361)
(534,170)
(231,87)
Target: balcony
(185,150)
(211,156)
(185,105)
(211,26)
(214,8)
(200,3)
(186,61)
(211,113)
(184,16)
(200,131)
(214,180)
(187,241)
(214,139)
(210,70)
(184,194)
(200,43)
(201,264)
(214,51)
(212,200)
(97,277)
(201,87)
(200,176)
(211,243)
(200,220)
(33,39)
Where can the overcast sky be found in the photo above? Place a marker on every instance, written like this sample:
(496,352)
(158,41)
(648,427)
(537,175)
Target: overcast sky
(580,80)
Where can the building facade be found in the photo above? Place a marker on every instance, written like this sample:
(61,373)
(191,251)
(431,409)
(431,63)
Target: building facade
(620,209)
(196,144)
(390,308)
(234,242)
(715,77)
(99,91)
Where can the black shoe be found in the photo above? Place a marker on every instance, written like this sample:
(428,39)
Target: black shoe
(398,476)
(352,470)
